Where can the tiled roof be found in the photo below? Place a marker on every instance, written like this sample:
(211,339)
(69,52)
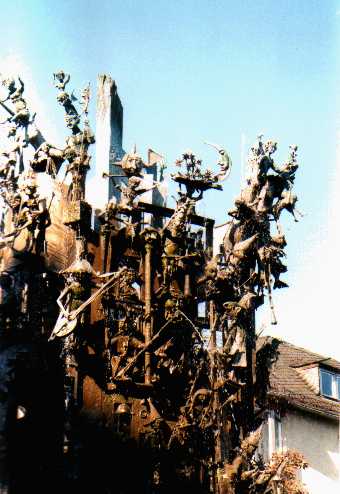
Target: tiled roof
(286,379)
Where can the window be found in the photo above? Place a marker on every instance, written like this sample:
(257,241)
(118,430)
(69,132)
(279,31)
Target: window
(326,383)
(329,384)
(275,433)
(278,433)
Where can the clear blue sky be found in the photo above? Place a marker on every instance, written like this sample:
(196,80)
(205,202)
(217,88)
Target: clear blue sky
(190,71)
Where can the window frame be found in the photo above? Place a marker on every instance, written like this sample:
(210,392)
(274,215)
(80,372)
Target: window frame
(335,380)
(278,436)
(275,432)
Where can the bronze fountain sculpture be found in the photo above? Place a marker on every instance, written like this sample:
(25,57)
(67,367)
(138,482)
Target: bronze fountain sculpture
(122,379)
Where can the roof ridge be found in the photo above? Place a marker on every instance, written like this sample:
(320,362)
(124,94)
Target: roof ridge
(292,345)
(305,350)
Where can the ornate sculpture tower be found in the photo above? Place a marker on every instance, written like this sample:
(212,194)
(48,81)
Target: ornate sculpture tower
(106,363)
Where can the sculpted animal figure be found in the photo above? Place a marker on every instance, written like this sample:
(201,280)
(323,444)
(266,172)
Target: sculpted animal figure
(287,201)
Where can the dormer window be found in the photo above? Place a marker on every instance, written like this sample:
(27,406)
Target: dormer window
(329,384)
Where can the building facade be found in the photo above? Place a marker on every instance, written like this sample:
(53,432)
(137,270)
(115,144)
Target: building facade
(304,414)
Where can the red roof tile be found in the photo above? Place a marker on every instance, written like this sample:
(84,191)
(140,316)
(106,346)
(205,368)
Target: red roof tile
(287,382)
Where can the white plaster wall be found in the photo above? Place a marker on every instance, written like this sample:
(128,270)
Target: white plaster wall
(317,439)
(311,377)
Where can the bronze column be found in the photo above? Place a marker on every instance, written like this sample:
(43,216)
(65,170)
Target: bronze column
(150,236)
